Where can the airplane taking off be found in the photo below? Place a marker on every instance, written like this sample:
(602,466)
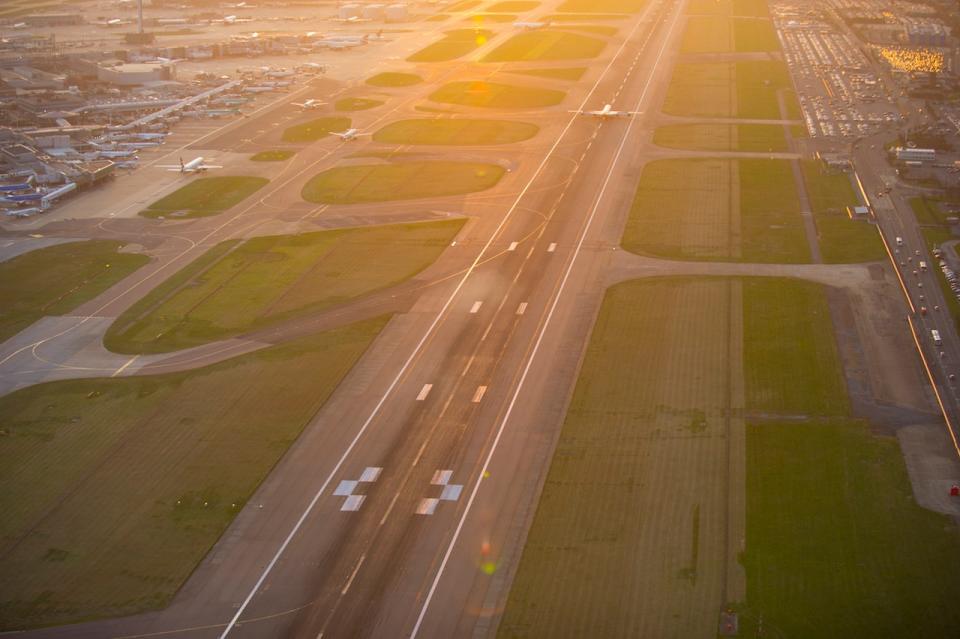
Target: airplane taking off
(349,134)
(309,104)
(195,165)
(608,112)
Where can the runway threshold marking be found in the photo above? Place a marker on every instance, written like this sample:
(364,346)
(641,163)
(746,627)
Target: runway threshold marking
(424,392)
(476,307)
(449,492)
(478,395)
(346,488)
(484,469)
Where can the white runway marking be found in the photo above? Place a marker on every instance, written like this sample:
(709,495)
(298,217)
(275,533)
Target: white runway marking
(479,394)
(353,575)
(513,246)
(352,503)
(370,474)
(552,247)
(345,488)
(427,506)
(522,308)
(424,392)
(124,367)
(441,477)
(476,307)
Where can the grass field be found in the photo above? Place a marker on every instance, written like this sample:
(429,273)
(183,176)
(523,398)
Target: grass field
(836,546)
(400,181)
(716,34)
(456,132)
(546,45)
(495,95)
(740,210)
(790,358)
(841,239)
(394,79)
(754,8)
(513,6)
(356,104)
(272,156)
(722,137)
(238,287)
(455,44)
(114,489)
(627,539)
(624,541)
(206,196)
(744,89)
(601,6)
(315,129)
(571,73)
(57,279)
(480,18)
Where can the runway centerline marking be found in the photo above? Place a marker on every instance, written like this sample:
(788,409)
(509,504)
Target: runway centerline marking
(552,247)
(476,307)
(424,392)
(353,575)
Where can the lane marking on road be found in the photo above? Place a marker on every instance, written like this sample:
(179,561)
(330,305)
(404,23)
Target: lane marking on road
(124,367)
(552,247)
(513,246)
(477,396)
(476,307)
(522,308)
(484,470)
(353,575)
(424,392)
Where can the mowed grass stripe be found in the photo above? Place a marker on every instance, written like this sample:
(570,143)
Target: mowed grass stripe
(722,137)
(713,34)
(56,279)
(546,45)
(113,490)
(742,89)
(206,196)
(238,286)
(400,181)
(495,95)
(455,132)
(455,44)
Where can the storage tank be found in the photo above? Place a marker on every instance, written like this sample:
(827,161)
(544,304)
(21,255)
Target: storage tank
(396,13)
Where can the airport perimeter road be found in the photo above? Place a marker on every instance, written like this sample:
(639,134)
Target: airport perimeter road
(926,303)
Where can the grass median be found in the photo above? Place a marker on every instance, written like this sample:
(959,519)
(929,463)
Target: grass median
(356,104)
(455,44)
(57,279)
(546,45)
(394,79)
(272,156)
(237,287)
(722,137)
(571,74)
(113,490)
(495,95)
(400,181)
(742,89)
(455,132)
(206,196)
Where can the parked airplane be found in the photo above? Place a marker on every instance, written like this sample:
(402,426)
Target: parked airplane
(529,26)
(129,153)
(309,104)
(349,134)
(23,212)
(608,112)
(195,165)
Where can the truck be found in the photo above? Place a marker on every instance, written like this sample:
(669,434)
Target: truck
(935,334)
(899,241)
(923,266)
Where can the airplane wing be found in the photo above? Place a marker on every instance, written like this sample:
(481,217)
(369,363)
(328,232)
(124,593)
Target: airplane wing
(299,104)
(167,166)
(209,166)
